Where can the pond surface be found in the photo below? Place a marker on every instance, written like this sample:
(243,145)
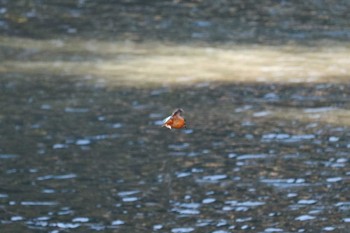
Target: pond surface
(77,157)
(85,87)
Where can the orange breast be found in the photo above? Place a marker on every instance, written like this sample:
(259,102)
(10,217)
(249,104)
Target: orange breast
(169,122)
(178,123)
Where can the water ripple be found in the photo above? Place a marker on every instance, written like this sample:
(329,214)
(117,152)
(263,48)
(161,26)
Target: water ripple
(252,156)
(329,228)
(127,193)
(208,200)
(286,183)
(8,156)
(16,218)
(212,178)
(39,203)
(76,110)
(307,202)
(57,177)
(273,230)
(182,230)
(80,219)
(157,227)
(2,195)
(305,218)
(334,179)
(286,137)
(118,222)
(180,146)
(130,199)
(66,225)
(187,208)
(241,206)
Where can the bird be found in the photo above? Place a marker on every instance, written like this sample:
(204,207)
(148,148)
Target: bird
(175,120)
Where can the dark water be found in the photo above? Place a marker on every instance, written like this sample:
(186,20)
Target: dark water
(82,153)
(77,158)
(249,21)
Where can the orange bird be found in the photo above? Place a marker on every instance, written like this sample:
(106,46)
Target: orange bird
(175,121)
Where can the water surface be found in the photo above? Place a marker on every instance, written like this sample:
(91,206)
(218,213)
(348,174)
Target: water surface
(85,86)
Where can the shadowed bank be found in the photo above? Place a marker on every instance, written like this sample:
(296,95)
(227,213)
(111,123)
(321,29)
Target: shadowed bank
(266,147)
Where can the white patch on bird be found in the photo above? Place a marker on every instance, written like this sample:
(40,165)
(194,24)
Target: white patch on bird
(166,119)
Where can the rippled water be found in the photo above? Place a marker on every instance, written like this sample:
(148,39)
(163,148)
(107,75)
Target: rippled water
(112,167)
(81,143)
